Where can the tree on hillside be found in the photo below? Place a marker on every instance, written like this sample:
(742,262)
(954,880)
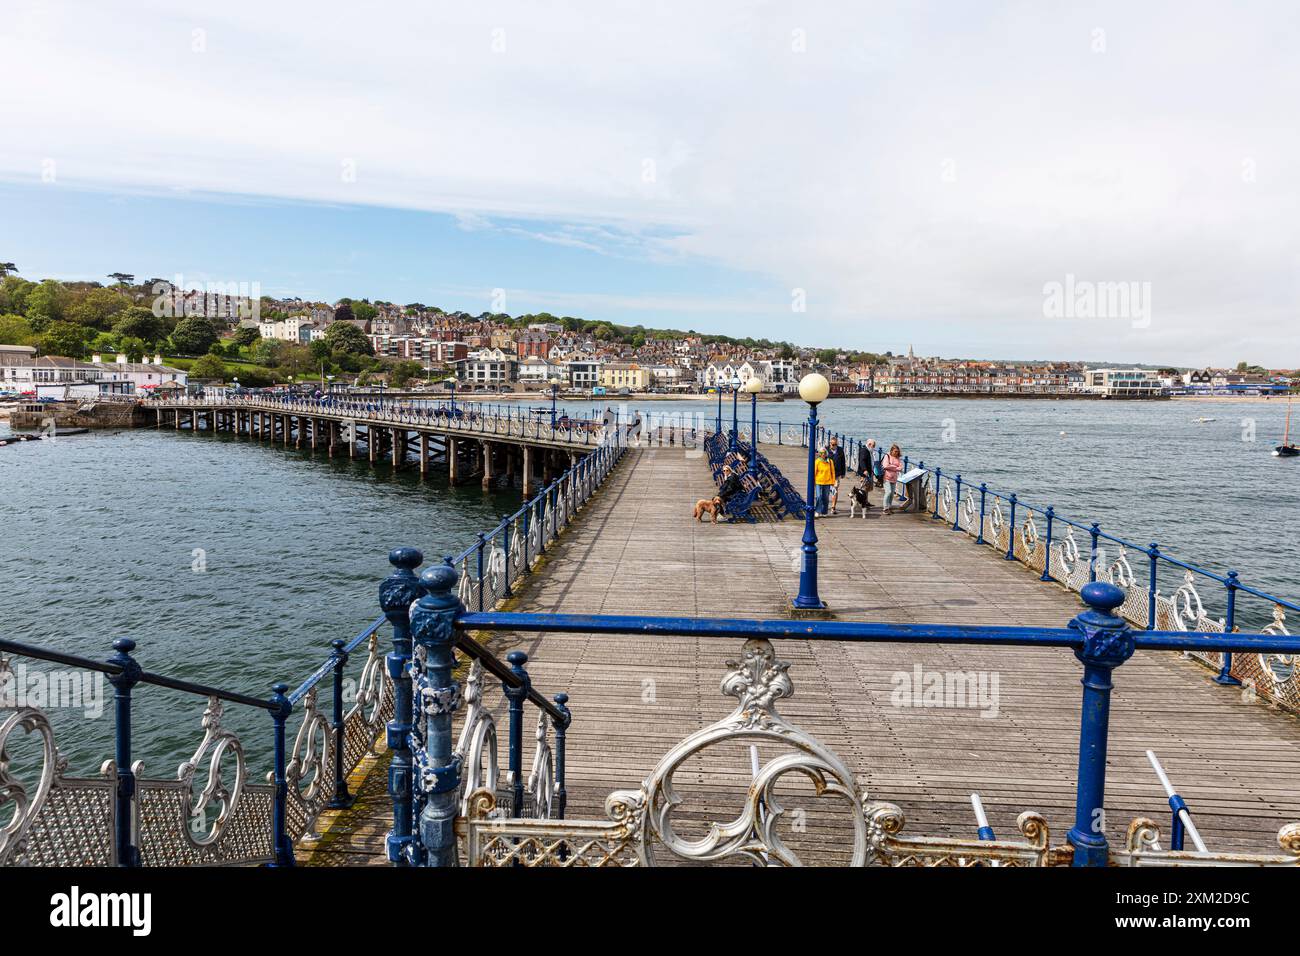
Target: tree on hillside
(99,308)
(343,311)
(246,335)
(139,322)
(6,268)
(13,295)
(46,303)
(209,367)
(16,330)
(123,278)
(364,311)
(64,338)
(345,337)
(403,371)
(193,336)
(270,352)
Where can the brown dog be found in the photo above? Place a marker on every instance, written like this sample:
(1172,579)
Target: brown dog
(709,506)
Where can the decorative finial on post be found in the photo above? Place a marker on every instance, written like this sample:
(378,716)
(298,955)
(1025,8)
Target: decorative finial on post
(433,627)
(341,799)
(396,594)
(561,732)
(282,846)
(128,854)
(1107,642)
(516,696)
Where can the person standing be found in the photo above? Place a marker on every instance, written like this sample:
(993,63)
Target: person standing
(867,458)
(867,467)
(824,480)
(840,466)
(890,467)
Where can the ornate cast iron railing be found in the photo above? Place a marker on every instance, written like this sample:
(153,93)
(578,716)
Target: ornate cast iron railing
(641,826)
(214,812)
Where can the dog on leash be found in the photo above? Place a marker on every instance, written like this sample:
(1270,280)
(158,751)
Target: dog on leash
(708,506)
(858,499)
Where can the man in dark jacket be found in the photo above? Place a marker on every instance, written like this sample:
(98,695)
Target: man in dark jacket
(837,461)
(867,464)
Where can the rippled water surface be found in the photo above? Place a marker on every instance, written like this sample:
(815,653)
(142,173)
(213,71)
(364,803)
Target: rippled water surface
(101,530)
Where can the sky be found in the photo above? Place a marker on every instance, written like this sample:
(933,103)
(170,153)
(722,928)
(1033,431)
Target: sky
(1024,180)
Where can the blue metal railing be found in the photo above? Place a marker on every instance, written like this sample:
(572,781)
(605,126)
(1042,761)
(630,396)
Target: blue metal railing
(1101,640)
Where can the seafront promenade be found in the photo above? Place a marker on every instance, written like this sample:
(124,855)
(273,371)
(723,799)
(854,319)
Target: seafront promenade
(634,549)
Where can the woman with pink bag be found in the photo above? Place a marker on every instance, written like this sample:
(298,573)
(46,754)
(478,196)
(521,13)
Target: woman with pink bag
(891,465)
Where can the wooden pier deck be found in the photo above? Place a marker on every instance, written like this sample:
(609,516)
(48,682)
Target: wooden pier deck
(635,549)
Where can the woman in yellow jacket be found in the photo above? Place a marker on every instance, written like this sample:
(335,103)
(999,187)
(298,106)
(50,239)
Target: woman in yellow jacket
(824,479)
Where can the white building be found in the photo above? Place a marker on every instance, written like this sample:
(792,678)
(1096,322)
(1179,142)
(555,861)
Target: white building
(538,372)
(299,329)
(143,377)
(1123,382)
(488,368)
(55,376)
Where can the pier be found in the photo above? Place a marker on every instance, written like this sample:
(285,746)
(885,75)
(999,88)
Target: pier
(593,626)
(1236,762)
(467,442)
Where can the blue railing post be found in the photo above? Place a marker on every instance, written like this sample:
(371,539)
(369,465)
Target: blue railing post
(1153,553)
(1047,548)
(433,629)
(561,732)
(281,845)
(938,490)
(1011,530)
(341,798)
(956,506)
(396,594)
(1107,643)
(516,697)
(128,854)
(1229,625)
(984,490)
(1092,557)
(1176,829)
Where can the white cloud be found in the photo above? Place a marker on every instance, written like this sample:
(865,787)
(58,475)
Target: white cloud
(920,170)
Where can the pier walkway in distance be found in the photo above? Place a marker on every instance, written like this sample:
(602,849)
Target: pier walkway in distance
(636,549)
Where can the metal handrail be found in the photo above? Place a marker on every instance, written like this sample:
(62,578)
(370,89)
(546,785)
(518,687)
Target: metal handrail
(142,677)
(867,632)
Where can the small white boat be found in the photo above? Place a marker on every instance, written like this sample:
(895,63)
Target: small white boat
(1202,420)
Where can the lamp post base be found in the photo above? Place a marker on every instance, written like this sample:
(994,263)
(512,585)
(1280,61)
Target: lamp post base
(815,612)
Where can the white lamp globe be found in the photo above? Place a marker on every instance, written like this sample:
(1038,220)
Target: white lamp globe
(814,388)
(754,386)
